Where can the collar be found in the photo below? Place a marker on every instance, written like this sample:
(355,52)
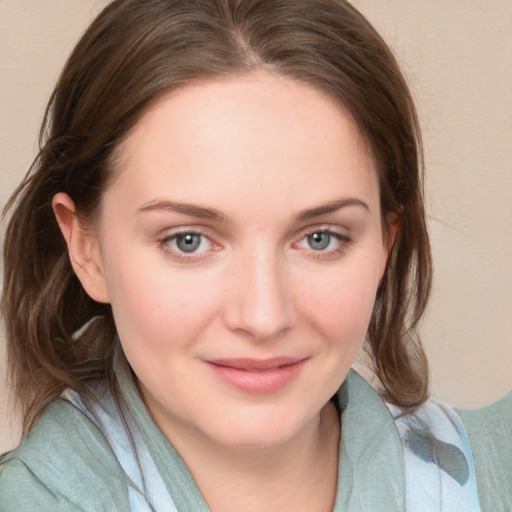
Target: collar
(371,467)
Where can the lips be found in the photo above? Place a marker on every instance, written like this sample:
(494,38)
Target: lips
(258,376)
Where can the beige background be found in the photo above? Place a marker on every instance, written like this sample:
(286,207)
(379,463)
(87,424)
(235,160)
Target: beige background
(457,55)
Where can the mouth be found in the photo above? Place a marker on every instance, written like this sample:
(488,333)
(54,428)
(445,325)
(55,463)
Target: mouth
(257,376)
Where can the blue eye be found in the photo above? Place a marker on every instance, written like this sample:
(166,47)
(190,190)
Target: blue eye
(188,246)
(325,243)
(188,243)
(319,241)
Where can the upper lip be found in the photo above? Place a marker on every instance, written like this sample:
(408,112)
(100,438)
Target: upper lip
(257,364)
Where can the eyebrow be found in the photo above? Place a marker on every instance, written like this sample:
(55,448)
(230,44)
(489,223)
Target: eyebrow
(185,208)
(331,207)
(216,215)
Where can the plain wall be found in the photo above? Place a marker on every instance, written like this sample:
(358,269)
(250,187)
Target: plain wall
(457,56)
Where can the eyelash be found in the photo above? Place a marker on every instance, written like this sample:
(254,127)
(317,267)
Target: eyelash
(343,244)
(182,257)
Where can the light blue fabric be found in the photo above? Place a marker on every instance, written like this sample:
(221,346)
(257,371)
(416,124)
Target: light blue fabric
(146,489)
(88,455)
(439,467)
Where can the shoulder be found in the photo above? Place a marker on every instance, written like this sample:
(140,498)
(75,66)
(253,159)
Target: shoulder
(439,467)
(467,452)
(65,463)
(490,433)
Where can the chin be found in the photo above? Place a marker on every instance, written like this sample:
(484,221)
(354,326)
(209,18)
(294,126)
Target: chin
(255,430)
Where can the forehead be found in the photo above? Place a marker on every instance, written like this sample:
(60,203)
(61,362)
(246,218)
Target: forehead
(245,136)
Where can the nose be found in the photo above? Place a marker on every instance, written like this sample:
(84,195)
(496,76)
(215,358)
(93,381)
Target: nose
(260,304)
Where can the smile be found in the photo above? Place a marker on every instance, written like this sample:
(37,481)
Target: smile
(257,376)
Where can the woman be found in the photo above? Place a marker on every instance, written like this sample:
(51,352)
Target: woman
(227,205)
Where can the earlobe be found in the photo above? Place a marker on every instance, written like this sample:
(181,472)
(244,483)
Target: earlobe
(83,248)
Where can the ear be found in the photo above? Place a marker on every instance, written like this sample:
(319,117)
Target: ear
(83,248)
(393,222)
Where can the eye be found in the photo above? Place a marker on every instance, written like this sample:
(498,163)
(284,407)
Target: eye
(319,241)
(188,243)
(324,243)
(322,240)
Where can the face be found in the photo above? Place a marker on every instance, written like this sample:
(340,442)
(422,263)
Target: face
(241,249)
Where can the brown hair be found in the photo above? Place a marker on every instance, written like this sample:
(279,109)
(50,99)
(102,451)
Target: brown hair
(133,53)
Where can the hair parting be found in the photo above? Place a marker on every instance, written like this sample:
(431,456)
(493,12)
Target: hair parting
(133,54)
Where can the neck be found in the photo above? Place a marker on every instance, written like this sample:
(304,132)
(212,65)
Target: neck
(299,475)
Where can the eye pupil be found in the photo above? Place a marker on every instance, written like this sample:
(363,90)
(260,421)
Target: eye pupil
(188,242)
(319,241)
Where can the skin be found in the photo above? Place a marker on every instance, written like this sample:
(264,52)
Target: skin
(263,154)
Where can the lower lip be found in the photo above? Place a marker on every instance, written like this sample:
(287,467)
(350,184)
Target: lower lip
(258,382)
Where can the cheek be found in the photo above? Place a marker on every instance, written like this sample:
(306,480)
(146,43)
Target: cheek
(157,310)
(341,303)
